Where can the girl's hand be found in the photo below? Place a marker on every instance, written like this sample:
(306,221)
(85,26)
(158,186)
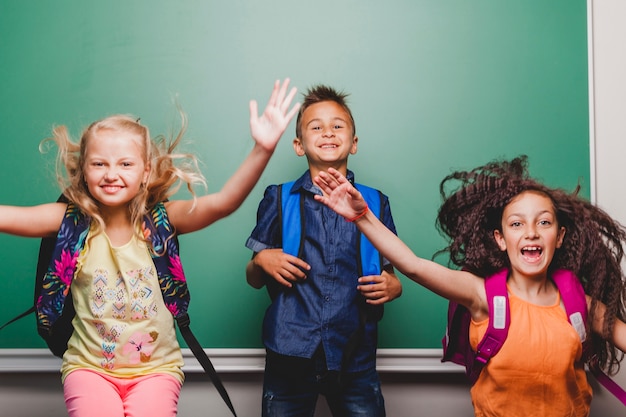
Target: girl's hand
(340,195)
(267,129)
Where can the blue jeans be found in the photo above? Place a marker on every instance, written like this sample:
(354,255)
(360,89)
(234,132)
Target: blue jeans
(291,387)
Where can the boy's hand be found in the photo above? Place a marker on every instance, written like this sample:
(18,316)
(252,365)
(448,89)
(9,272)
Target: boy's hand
(284,268)
(267,129)
(379,289)
(339,194)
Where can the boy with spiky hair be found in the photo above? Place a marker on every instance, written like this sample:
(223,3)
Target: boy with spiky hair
(327,288)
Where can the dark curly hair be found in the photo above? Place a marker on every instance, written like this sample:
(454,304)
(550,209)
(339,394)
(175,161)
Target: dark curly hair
(592,247)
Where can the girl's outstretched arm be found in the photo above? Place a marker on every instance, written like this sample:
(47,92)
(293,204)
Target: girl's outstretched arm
(460,286)
(266,131)
(34,221)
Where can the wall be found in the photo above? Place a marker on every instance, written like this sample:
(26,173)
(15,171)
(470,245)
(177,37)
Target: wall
(435,86)
(608,111)
(418,393)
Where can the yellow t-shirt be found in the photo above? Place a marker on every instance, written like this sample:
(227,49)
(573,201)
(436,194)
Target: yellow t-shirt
(121,327)
(538,370)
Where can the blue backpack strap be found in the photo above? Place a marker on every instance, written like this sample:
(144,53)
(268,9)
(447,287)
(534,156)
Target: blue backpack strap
(291,207)
(292,223)
(499,321)
(371,263)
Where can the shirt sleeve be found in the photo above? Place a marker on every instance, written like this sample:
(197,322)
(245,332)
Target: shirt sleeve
(266,233)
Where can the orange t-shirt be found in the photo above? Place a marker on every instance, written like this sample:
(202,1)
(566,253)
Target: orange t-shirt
(538,370)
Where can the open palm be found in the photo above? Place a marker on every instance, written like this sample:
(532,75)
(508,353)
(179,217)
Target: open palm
(339,194)
(269,127)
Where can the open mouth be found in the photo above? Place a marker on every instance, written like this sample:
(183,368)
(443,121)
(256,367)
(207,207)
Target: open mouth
(532,252)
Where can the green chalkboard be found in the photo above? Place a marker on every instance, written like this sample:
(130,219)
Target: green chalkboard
(435,85)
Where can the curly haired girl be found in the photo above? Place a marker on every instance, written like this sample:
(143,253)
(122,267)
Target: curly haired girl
(496,216)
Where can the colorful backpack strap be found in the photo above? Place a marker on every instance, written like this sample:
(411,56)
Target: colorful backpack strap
(58,278)
(166,260)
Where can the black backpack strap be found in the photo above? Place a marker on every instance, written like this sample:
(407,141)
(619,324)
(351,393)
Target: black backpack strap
(183,325)
(279,209)
(19,316)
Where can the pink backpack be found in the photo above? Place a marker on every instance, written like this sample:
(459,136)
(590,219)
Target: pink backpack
(456,345)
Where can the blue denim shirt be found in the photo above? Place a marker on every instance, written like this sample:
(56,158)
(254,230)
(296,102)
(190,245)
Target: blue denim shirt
(322,309)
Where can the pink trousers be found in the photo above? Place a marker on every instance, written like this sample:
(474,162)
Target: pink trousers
(92,394)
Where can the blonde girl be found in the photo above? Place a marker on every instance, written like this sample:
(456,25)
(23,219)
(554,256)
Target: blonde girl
(123,358)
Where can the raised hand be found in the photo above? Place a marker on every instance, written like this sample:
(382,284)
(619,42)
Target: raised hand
(340,195)
(268,128)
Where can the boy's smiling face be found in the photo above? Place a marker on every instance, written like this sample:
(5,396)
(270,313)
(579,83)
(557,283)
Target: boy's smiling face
(327,136)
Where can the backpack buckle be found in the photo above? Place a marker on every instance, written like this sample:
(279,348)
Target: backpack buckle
(183,320)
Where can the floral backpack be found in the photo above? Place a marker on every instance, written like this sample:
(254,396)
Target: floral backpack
(55,270)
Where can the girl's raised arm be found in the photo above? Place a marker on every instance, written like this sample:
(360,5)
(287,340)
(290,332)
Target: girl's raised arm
(266,131)
(32,221)
(459,286)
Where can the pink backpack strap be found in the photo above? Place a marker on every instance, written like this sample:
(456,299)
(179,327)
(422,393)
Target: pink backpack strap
(499,320)
(575,302)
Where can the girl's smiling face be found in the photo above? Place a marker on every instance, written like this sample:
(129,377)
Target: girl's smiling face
(115,167)
(530,233)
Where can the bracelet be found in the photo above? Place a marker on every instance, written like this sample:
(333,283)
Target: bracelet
(358,216)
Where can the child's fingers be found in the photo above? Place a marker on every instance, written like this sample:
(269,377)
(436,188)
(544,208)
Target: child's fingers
(337,176)
(254,110)
(286,101)
(274,96)
(279,93)
(294,110)
(370,279)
